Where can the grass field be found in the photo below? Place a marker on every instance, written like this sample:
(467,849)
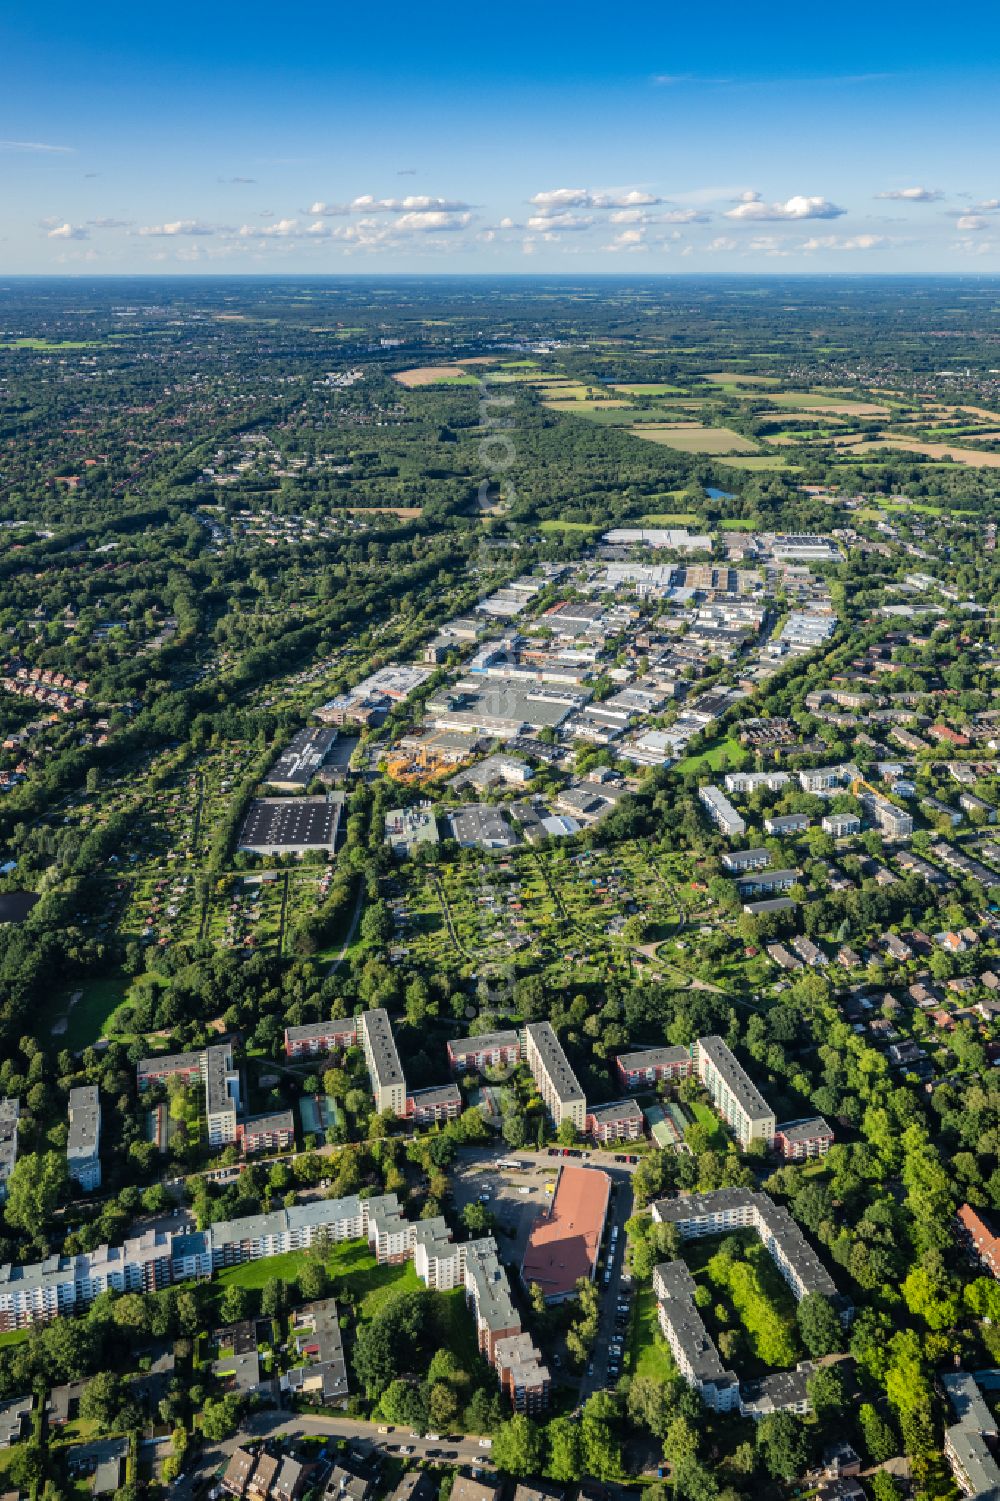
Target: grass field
(697,439)
(670,518)
(737,524)
(50,344)
(92,1015)
(762,461)
(648,1349)
(728,752)
(583,527)
(351,1265)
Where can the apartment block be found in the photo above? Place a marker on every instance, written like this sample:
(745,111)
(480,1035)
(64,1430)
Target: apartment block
(427,1107)
(317,1038)
(735,1097)
(725,1209)
(621,1120)
(721,812)
(492,1050)
(222,1094)
(10,1115)
(266,1133)
(652,1065)
(83,1146)
(799,1139)
(550,1069)
(384,1067)
(692,1347)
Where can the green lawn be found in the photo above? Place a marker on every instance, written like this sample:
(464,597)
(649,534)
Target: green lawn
(707,1117)
(712,757)
(650,1354)
(670,518)
(352,1266)
(14,1337)
(89,1018)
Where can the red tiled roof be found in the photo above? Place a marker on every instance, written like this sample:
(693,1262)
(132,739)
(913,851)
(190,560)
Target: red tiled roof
(563,1246)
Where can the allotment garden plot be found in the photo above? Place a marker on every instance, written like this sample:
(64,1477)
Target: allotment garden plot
(577,909)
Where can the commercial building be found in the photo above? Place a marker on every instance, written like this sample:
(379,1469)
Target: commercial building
(291,825)
(621,1120)
(557,1083)
(83,1146)
(563,1245)
(318,1038)
(721,812)
(301,760)
(652,1065)
(735,1097)
(492,1050)
(384,1067)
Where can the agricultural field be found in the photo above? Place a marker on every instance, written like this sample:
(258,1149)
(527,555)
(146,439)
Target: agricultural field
(693,438)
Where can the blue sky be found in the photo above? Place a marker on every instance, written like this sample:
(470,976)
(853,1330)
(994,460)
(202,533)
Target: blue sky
(527,137)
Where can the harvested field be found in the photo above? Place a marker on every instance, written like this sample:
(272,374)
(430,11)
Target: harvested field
(731,378)
(975,458)
(692,438)
(433,375)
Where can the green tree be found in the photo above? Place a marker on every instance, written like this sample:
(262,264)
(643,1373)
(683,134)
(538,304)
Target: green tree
(819,1325)
(219,1420)
(517,1447)
(37,1182)
(880,1440)
(565,1446)
(602,1455)
(782,1443)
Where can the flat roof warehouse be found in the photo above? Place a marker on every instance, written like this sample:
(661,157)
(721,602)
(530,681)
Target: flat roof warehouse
(290,825)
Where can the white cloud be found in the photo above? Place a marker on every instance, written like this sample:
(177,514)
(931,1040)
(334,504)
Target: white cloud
(630,240)
(838,242)
(429,220)
(629,216)
(176,227)
(987,205)
(972,222)
(752,208)
(283,229)
(68,232)
(42,146)
(721,245)
(913,195)
(560,221)
(556,200)
(683,216)
(110,223)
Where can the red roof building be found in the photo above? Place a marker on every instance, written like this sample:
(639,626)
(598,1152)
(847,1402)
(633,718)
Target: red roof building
(564,1245)
(983,1242)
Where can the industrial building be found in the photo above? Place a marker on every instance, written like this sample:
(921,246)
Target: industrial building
(291,825)
(301,760)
